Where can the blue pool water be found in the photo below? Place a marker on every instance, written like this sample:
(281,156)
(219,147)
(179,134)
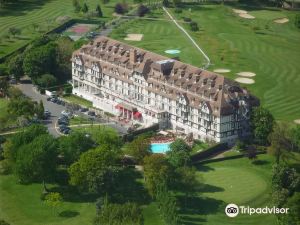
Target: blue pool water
(160,147)
(172,51)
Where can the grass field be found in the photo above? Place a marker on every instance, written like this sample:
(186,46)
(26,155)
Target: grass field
(268,49)
(24,13)
(235,181)
(78,100)
(3,107)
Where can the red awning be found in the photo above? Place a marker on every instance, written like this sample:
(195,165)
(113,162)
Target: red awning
(137,114)
(118,106)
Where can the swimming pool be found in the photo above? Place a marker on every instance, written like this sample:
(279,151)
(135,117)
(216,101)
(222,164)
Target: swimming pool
(172,51)
(160,147)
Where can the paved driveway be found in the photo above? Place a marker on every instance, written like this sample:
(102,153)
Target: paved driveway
(28,89)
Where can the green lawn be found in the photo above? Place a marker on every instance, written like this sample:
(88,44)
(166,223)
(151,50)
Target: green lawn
(268,49)
(3,107)
(234,181)
(78,100)
(22,14)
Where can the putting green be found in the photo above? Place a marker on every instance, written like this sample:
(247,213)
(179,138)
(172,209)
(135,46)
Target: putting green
(238,184)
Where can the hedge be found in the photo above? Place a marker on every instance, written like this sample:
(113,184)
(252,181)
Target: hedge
(209,152)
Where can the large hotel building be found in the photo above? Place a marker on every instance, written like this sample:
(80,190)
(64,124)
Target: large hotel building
(148,88)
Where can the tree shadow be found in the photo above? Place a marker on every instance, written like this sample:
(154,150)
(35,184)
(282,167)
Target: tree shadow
(203,168)
(260,162)
(68,214)
(207,188)
(199,205)
(130,188)
(71,194)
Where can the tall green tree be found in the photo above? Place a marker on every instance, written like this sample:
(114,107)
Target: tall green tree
(39,110)
(76,6)
(36,161)
(262,122)
(96,171)
(73,145)
(138,148)
(85,8)
(40,60)
(99,11)
(281,142)
(179,154)
(46,81)
(295,138)
(15,66)
(157,172)
(4,86)
(22,106)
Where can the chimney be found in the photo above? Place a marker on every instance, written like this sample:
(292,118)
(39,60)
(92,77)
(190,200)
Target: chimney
(133,56)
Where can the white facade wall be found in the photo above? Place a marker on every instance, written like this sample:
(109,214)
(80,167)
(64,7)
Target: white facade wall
(106,91)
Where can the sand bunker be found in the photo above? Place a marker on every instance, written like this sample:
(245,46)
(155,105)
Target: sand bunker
(246,16)
(134,37)
(297,121)
(246,74)
(222,70)
(239,11)
(243,14)
(244,80)
(281,20)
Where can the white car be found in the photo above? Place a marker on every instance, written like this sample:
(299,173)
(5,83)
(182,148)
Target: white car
(66,113)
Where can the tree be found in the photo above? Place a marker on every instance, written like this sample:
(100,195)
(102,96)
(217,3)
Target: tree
(13,144)
(179,154)
(262,122)
(120,8)
(85,8)
(40,60)
(96,171)
(76,6)
(99,11)
(157,172)
(73,145)
(4,86)
(293,215)
(22,106)
(39,110)
(15,66)
(36,161)
(138,148)
(297,21)
(252,152)
(167,206)
(107,136)
(142,10)
(177,3)
(125,214)
(295,138)
(14,31)
(53,200)
(165,3)
(281,143)
(194,26)
(46,81)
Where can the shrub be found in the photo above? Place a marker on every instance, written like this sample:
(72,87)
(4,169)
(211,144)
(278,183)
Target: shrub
(178,10)
(186,19)
(142,10)
(194,26)
(121,8)
(297,21)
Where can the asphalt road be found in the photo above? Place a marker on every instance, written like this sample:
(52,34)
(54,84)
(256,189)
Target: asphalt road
(29,90)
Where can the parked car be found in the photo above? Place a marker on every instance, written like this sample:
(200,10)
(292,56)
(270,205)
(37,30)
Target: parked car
(49,98)
(83,110)
(91,113)
(66,113)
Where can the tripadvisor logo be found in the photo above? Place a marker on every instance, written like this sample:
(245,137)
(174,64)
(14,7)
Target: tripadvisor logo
(232,210)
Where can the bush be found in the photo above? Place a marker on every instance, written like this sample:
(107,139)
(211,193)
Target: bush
(121,8)
(178,10)
(194,26)
(186,19)
(297,21)
(142,10)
